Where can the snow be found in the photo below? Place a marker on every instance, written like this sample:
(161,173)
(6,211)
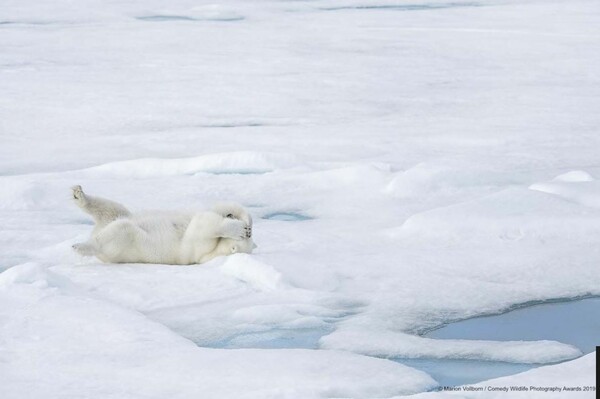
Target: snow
(510,215)
(81,338)
(407,165)
(575,186)
(405,345)
(240,162)
(574,177)
(260,276)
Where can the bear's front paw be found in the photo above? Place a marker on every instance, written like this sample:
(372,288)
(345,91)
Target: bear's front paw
(235,229)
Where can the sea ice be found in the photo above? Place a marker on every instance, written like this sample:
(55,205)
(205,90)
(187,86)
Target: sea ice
(446,153)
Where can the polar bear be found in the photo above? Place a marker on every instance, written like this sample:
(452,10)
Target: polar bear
(177,238)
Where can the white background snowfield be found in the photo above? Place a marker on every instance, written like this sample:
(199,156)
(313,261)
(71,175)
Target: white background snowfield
(445,155)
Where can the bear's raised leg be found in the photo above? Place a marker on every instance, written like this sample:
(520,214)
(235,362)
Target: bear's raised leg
(102,210)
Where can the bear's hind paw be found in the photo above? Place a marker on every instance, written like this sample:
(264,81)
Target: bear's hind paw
(83,249)
(78,194)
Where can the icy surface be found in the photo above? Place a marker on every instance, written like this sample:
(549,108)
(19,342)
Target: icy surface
(543,382)
(446,153)
(574,322)
(405,345)
(82,338)
(286,216)
(459,372)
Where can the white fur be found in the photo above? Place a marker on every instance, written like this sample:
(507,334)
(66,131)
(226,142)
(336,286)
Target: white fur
(178,238)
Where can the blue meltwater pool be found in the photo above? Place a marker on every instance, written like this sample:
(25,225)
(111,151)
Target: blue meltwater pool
(574,322)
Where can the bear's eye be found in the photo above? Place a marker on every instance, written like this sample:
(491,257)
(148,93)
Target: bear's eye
(230,216)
